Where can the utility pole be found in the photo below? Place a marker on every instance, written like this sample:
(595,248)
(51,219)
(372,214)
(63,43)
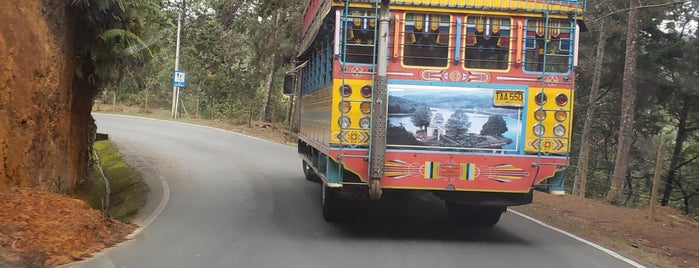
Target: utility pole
(176,89)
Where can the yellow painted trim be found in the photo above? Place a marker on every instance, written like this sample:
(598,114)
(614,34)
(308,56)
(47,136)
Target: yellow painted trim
(462,10)
(549,122)
(354,114)
(509,60)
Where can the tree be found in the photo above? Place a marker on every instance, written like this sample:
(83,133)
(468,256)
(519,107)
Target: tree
(495,126)
(422,117)
(682,108)
(628,105)
(458,125)
(580,181)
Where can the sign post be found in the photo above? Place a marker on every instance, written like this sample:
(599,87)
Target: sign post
(179,81)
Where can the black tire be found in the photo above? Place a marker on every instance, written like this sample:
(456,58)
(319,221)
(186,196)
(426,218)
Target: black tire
(330,206)
(474,216)
(309,173)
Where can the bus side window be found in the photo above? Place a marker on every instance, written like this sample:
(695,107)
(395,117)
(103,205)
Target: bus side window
(552,42)
(426,40)
(487,42)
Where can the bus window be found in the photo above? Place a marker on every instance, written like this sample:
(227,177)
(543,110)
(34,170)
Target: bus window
(426,40)
(487,42)
(554,44)
(359,36)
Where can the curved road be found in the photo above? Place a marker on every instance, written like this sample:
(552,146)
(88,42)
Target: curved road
(220,199)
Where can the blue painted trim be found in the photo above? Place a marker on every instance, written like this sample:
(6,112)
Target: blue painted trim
(455,84)
(457,54)
(333,173)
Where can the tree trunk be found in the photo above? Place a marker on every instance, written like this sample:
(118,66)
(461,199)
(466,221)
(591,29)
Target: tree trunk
(580,181)
(676,154)
(289,110)
(264,117)
(628,104)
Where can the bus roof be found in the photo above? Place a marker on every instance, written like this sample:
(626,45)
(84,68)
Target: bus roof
(555,6)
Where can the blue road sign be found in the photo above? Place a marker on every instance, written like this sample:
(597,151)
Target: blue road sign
(180,79)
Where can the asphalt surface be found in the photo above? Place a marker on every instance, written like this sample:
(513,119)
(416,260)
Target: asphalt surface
(221,199)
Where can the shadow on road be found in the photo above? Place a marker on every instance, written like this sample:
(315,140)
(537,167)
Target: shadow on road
(413,216)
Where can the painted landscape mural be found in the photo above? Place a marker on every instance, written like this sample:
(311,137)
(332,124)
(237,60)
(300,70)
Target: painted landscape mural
(450,117)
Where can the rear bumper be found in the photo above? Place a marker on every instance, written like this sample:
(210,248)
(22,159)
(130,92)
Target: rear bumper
(456,171)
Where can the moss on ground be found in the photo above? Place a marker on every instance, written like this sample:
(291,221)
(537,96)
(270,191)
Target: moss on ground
(128,192)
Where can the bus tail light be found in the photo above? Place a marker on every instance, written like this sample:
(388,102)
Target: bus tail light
(346,90)
(539,115)
(344,121)
(539,129)
(366,91)
(559,130)
(365,122)
(345,107)
(561,116)
(561,99)
(540,98)
(365,107)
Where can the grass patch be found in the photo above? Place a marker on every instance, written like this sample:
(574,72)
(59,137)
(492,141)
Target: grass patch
(128,192)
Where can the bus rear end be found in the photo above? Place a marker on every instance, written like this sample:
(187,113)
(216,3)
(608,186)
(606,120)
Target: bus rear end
(478,102)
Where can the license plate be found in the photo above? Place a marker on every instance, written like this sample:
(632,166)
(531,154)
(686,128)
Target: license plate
(508,98)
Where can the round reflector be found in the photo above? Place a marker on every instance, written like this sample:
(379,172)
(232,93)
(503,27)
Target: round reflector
(365,107)
(561,99)
(344,121)
(365,122)
(345,106)
(559,130)
(561,116)
(539,129)
(366,91)
(540,98)
(539,115)
(346,90)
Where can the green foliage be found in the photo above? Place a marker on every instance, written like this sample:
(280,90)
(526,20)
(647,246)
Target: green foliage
(495,126)
(457,125)
(422,117)
(399,135)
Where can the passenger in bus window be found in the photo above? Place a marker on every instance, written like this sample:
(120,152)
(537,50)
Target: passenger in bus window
(487,42)
(426,40)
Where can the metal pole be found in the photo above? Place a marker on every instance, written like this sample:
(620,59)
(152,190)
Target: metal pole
(380,99)
(176,90)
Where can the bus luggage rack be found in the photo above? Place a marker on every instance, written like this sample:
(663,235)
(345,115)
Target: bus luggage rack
(561,6)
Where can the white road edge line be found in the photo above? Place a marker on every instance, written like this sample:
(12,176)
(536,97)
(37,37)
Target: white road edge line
(583,240)
(189,124)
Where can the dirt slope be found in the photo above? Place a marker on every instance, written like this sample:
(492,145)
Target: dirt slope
(42,229)
(44,120)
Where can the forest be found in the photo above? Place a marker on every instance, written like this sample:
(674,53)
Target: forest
(637,89)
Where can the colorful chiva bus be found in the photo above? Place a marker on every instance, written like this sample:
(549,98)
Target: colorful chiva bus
(478,100)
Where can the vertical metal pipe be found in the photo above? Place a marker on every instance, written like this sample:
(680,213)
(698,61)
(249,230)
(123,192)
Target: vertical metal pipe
(380,99)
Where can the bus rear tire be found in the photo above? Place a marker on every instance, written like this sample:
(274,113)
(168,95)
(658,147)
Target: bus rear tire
(474,216)
(309,173)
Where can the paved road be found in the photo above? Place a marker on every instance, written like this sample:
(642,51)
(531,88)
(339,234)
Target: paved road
(225,200)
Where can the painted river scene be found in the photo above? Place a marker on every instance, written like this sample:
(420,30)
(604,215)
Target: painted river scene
(451,117)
